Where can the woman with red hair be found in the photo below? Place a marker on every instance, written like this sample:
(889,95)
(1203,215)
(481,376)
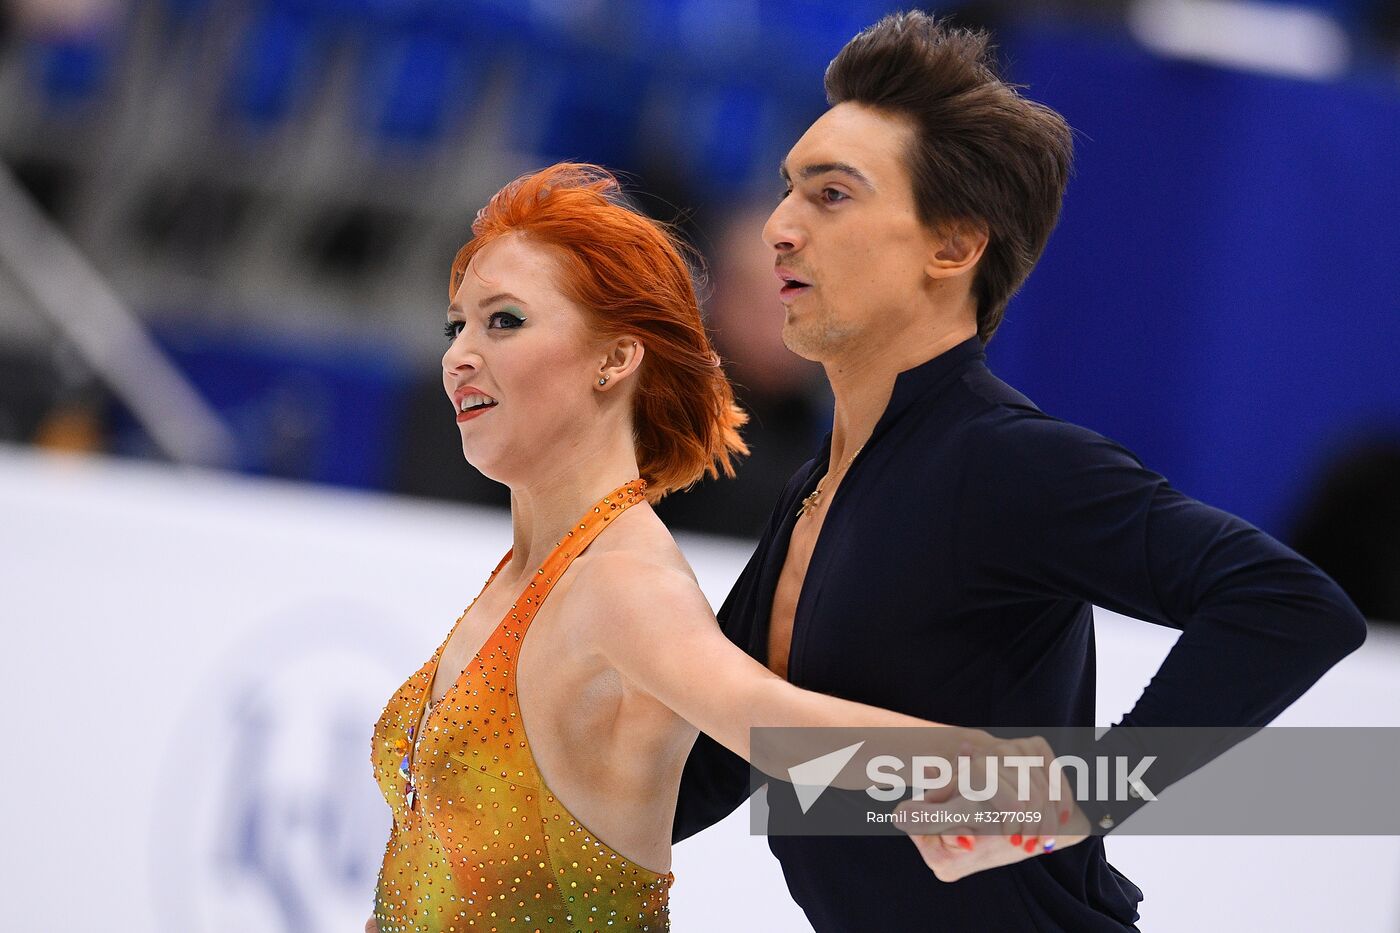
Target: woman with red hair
(582,378)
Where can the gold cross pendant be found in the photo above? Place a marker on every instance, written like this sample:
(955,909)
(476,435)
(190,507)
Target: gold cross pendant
(813,501)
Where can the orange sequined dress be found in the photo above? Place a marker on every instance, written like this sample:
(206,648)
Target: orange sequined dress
(479,841)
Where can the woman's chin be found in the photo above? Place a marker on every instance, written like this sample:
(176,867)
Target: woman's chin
(486,466)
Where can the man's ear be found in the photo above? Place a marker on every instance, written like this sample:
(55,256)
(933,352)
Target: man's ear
(621,359)
(955,248)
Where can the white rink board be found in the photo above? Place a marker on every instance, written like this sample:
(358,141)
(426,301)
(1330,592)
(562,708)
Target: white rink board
(193,663)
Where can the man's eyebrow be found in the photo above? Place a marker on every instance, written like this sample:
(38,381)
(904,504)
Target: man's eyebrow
(822,168)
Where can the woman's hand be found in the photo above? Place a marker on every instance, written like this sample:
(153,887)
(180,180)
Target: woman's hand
(371,926)
(982,845)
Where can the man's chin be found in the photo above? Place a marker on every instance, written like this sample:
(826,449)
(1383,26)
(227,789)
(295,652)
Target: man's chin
(800,339)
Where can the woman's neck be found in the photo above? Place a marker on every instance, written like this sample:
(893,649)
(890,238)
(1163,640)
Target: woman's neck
(545,508)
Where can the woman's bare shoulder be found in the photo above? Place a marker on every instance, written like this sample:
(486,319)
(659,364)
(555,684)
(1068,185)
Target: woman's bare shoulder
(640,544)
(639,568)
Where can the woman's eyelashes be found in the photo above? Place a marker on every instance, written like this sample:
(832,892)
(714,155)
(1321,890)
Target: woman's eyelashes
(499,320)
(505,320)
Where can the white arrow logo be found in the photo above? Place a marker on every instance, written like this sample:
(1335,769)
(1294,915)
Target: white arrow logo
(811,778)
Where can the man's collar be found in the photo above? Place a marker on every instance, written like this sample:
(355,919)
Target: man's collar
(913,384)
(916,383)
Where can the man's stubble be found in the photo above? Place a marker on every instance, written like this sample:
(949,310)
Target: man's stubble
(817,335)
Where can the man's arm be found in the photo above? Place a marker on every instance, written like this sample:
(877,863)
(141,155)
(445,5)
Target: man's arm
(1054,510)
(714,783)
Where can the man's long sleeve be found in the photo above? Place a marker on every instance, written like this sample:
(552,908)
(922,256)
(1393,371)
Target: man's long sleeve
(1054,510)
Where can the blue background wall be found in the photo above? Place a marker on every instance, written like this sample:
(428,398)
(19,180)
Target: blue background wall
(1223,292)
(1220,296)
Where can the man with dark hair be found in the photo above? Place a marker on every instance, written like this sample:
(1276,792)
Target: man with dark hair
(941,554)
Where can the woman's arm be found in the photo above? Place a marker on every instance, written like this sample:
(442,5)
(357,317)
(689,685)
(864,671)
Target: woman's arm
(656,628)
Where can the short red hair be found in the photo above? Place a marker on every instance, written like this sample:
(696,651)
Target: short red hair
(629,274)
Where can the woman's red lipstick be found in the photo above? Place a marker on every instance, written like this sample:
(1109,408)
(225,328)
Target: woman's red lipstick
(464,392)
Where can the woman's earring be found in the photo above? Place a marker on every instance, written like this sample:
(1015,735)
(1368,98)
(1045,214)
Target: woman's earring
(602,381)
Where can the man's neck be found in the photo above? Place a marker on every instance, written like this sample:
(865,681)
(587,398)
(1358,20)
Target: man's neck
(863,380)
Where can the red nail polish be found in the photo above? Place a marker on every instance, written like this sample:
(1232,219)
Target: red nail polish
(965,842)
(1030,844)
(1016,839)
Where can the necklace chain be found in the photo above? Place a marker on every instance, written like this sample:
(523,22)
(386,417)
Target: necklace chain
(813,501)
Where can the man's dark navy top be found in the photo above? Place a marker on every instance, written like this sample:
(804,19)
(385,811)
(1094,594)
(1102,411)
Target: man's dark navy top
(953,580)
